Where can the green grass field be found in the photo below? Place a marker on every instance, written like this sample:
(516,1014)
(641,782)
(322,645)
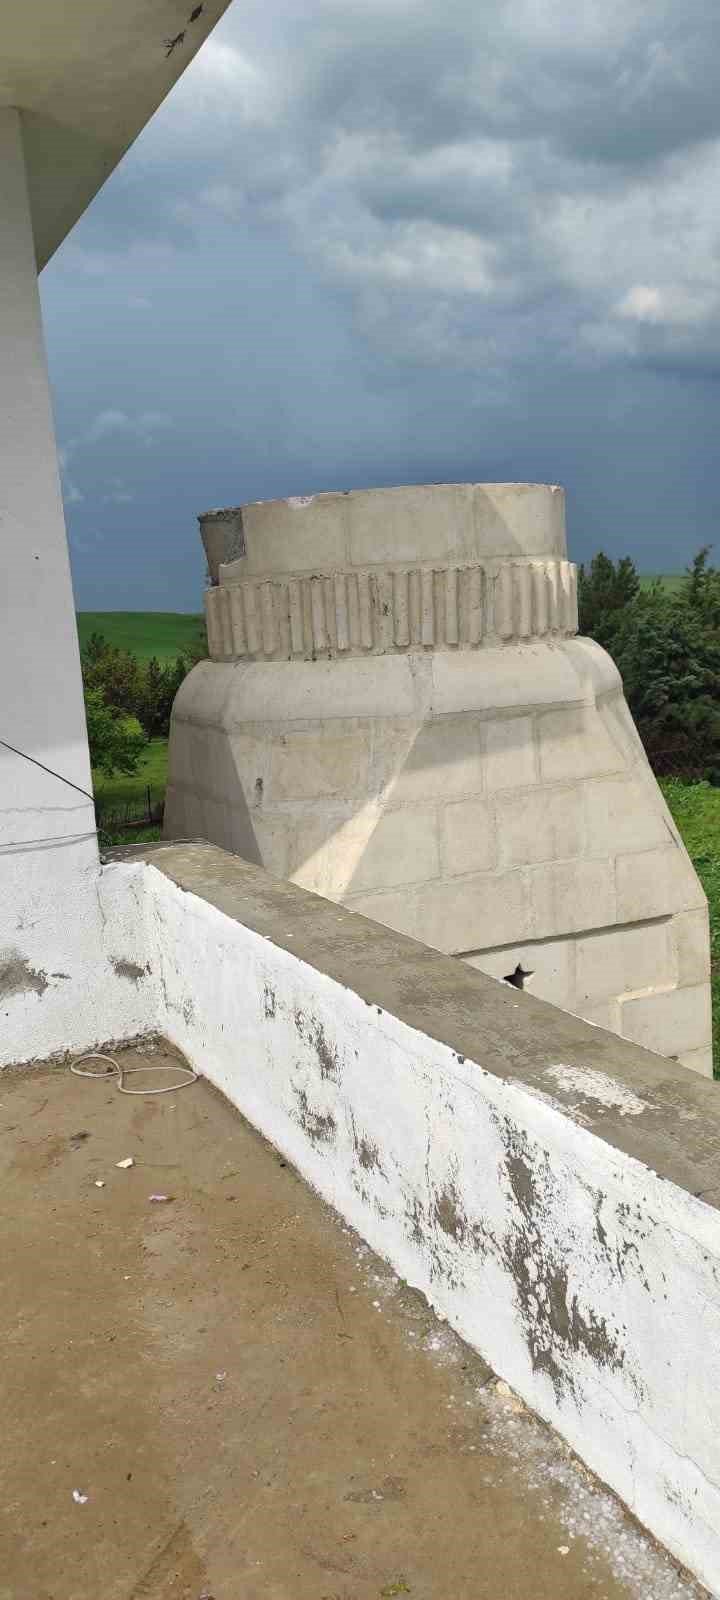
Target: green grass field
(671,581)
(696,809)
(165,634)
(125,789)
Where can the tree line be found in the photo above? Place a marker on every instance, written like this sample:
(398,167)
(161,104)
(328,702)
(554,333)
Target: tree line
(667,647)
(128,701)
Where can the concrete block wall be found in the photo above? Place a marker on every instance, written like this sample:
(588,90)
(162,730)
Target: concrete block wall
(429,745)
(506,834)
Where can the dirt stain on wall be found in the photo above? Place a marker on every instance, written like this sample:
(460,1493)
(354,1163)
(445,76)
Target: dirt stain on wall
(312,1033)
(129,969)
(320,1127)
(555,1327)
(17,976)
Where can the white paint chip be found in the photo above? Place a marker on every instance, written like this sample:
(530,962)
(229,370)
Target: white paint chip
(128,1162)
(608,1093)
(79,1498)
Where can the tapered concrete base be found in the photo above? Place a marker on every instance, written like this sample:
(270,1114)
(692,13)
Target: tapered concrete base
(498,806)
(398,715)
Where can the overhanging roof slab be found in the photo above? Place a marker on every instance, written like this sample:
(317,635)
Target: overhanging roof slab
(86,76)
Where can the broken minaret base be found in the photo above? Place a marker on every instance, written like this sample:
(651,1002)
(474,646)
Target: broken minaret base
(396,713)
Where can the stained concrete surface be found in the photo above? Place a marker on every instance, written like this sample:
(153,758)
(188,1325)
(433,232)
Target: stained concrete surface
(253,1405)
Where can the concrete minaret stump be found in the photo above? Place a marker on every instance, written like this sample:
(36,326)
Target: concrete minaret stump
(397,714)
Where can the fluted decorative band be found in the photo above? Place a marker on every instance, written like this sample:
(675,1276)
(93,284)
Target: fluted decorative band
(385,610)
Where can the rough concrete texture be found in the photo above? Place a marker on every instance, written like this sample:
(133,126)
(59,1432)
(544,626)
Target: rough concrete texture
(552,1189)
(397,717)
(252,1403)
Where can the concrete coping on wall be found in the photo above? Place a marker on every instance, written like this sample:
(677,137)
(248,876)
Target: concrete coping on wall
(646,1106)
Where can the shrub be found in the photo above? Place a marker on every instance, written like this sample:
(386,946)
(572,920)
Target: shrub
(116,743)
(667,648)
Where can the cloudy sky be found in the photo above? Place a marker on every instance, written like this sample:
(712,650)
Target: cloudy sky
(370,242)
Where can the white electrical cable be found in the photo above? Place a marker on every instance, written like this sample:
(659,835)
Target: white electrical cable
(121,1073)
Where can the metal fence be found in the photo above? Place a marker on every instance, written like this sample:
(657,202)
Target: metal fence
(142,811)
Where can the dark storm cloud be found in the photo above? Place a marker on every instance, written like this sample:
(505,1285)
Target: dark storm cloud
(369,241)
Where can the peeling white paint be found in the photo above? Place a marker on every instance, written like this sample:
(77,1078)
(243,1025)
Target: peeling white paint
(599,1087)
(551,1100)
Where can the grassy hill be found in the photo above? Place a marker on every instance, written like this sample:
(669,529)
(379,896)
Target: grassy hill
(696,809)
(672,581)
(129,789)
(165,634)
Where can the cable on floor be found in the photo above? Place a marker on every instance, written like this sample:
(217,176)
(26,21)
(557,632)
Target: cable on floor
(121,1073)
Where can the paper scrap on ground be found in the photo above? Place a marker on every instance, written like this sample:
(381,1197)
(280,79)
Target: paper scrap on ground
(128,1162)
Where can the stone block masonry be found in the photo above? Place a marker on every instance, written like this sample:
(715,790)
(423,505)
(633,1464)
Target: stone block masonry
(397,715)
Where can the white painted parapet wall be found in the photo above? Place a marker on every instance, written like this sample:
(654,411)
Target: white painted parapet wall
(396,714)
(553,1190)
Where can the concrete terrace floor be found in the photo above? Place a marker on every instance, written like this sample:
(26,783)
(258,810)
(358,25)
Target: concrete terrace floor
(252,1403)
